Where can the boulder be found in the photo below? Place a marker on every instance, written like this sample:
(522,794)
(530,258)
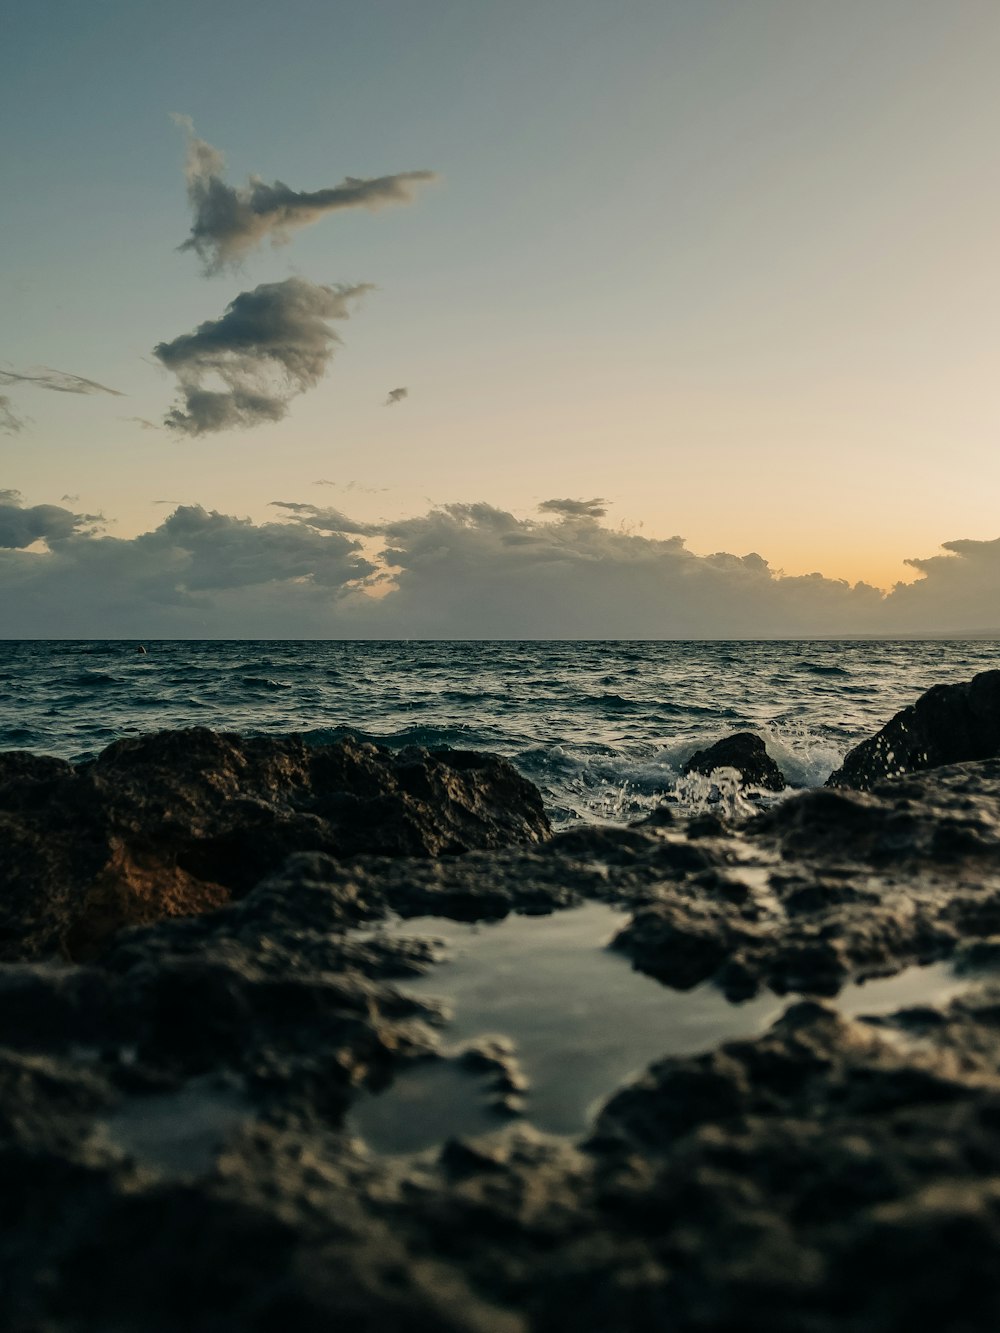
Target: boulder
(180,822)
(950,724)
(746,753)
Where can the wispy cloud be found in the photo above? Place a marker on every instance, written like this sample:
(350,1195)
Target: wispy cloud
(10,422)
(271,344)
(325,519)
(396,396)
(353,486)
(230,221)
(59,381)
(595,508)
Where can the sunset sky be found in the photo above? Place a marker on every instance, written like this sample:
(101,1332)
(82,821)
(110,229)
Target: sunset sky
(729,267)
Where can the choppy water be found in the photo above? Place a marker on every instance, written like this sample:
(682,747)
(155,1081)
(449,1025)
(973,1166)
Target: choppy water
(601,727)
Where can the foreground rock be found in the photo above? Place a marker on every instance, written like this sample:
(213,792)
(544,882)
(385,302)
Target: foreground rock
(743,751)
(181,822)
(175,1141)
(950,724)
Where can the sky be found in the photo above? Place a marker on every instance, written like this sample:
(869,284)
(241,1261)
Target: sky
(311,311)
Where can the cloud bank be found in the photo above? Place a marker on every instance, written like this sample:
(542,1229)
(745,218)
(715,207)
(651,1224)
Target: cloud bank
(271,344)
(229,222)
(462,571)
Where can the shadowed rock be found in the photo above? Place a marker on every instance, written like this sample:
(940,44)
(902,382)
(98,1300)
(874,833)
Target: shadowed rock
(747,754)
(950,724)
(177,1103)
(177,823)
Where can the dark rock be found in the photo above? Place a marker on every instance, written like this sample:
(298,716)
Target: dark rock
(173,1112)
(178,823)
(950,724)
(747,754)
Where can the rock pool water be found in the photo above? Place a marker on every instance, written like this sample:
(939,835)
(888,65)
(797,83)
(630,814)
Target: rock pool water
(581,1019)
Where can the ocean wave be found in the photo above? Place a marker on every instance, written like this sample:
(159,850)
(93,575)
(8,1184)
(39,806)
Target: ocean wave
(821,669)
(93,676)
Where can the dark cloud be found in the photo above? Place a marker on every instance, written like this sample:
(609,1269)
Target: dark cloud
(142,422)
(396,396)
(198,573)
(462,571)
(21,526)
(10,422)
(59,381)
(230,222)
(271,344)
(595,508)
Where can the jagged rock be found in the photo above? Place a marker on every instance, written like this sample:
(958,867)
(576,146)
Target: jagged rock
(743,751)
(175,1141)
(950,724)
(177,823)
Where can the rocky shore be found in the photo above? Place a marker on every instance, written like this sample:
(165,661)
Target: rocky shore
(191,1004)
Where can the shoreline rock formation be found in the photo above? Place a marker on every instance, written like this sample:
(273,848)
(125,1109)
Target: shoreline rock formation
(949,724)
(178,823)
(174,1136)
(746,752)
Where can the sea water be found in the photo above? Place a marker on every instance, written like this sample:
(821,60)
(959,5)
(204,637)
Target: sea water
(601,727)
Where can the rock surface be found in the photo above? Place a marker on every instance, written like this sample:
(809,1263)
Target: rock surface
(177,823)
(743,751)
(950,724)
(175,1154)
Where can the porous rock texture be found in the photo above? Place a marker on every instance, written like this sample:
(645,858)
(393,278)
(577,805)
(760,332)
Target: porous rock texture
(744,751)
(950,724)
(180,822)
(176,1149)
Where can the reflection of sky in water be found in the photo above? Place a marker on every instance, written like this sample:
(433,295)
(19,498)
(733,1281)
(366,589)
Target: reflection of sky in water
(177,1132)
(583,1022)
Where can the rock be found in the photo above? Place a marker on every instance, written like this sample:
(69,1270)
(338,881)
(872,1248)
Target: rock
(177,823)
(950,724)
(180,1102)
(746,753)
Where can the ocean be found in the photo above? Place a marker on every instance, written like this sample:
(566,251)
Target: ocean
(602,728)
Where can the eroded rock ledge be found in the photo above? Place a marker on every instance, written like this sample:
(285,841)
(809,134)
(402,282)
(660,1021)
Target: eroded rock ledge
(177,823)
(829,1176)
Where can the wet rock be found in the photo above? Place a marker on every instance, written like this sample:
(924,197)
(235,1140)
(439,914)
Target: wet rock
(178,823)
(743,751)
(950,724)
(172,1110)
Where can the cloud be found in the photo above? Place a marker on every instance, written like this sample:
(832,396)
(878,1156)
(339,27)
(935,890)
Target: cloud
(396,396)
(461,571)
(595,508)
(230,222)
(10,422)
(271,344)
(142,423)
(22,526)
(198,573)
(353,486)
(59,381)
(324,519)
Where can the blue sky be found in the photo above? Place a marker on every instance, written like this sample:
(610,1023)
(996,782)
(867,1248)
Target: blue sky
(732,266)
